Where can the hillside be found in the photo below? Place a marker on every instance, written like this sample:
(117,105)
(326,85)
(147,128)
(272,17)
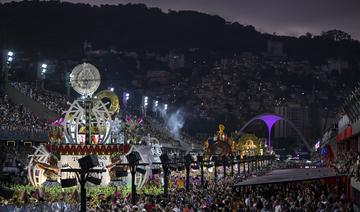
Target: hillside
(55,29)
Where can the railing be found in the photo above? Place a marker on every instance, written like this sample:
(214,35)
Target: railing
(22,134)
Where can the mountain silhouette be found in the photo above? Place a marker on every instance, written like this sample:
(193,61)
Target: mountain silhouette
(57,28)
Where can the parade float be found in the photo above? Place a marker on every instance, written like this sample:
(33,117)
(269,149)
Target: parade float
(250,145)
(92,126)
(223,145)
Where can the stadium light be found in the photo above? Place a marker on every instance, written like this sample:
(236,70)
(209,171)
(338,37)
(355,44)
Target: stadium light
(121,173)
(133,158)
(165,107)
(66,183)
(44,68)
(94,180)
(146,99)
(88,162)
(155,105)
(127,96)
(10,54)
(141,171)
(155,171)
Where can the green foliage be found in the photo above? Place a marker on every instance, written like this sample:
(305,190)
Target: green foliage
(56,193)
(151,189)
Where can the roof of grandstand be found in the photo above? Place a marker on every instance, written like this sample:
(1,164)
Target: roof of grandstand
(290,175)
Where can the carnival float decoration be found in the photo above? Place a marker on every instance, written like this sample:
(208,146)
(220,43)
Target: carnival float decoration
(223,145)
(92,126)
(219,145)
(250,145)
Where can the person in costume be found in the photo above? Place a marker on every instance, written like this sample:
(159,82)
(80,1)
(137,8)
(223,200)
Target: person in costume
(51,170)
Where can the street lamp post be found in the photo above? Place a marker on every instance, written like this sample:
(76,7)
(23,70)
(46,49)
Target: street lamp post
(238,164)
(133,187)
(256,163)
(187,166)
(164,161)
(232,164)
(224,165)
(200,160)
(82,176)
(188,161)
(215,159)
(253,163)
(244,164)
(166,180)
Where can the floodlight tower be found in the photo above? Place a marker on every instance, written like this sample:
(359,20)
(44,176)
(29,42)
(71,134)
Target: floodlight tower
(43,70)
(145,103)
(8,57)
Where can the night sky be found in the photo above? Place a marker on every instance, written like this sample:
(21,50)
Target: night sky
(285,17)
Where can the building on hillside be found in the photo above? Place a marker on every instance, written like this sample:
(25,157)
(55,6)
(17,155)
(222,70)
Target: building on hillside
(176,61)
(275,50)
(297,114)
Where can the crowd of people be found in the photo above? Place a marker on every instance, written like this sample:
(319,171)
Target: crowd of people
(157,128)
(348,163)
(13,161)
(220,196)
(16,120)
(53,101)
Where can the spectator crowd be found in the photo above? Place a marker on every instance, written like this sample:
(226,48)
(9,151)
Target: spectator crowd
(53,101)
(348,163)
(220,196)
(16,120)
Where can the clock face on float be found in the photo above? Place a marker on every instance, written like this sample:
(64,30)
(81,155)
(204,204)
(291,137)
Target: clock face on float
(85,79)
